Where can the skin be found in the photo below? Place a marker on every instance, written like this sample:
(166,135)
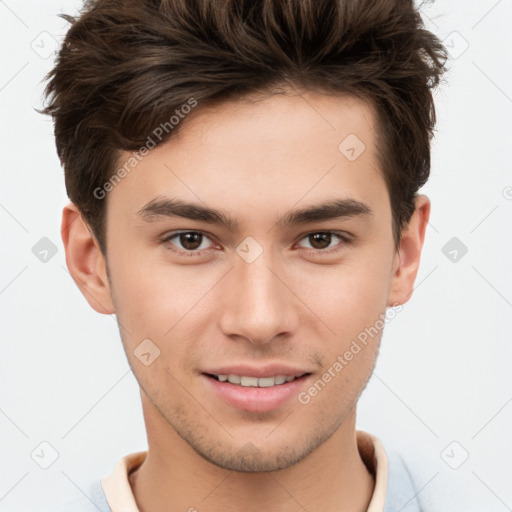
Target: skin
(294,304)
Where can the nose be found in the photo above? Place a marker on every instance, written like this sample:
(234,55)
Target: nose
(257,302)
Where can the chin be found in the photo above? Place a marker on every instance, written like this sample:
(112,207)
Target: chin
(251,459)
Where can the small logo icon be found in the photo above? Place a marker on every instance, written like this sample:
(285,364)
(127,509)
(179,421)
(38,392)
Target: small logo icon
(44,45)
(455,455)
(454,250)
(44,250)
(146,352)
(44,455)
(249,250)
(456,45)
(352,147)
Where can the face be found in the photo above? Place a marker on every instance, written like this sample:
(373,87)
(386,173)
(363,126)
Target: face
(251,246)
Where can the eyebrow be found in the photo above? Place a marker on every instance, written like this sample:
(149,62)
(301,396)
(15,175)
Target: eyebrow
(159,208)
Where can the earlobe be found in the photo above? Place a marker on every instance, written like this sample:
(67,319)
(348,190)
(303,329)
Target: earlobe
(409,254)
(84,260)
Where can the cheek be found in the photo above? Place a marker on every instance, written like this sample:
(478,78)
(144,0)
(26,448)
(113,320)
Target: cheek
(149,294)
(355,311)
(155,330)
(338,386)
(350,296)
(161,303)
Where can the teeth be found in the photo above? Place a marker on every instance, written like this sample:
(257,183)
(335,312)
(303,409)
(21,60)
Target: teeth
(263,382)
(266,382)
(234,379)
(249,381)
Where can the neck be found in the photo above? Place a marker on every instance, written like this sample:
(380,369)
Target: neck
(174,477)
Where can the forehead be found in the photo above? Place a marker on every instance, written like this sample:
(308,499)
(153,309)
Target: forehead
(261,154)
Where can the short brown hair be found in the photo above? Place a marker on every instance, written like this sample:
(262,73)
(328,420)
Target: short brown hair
(126,66)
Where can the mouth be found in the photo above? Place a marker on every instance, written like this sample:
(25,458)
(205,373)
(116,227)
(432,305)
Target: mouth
(255,382)
(261,391)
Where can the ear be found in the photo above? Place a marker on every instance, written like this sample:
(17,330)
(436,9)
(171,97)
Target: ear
(407,259)
(85,261)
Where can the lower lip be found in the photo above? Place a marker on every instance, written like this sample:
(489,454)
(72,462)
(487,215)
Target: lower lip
(256,399)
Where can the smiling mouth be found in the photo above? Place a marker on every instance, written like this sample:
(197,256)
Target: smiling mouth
(255,382)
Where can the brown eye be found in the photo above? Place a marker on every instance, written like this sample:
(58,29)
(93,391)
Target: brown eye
(188,242)
(320,240)
(324,241)
(191,241)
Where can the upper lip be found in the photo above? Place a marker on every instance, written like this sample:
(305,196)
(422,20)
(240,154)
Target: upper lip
(270,370)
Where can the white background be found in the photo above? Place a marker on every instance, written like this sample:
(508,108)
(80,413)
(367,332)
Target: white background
(444,370)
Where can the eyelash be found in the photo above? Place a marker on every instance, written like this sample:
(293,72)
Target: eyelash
(344,238)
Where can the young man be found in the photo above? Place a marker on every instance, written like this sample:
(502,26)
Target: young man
(243,177)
